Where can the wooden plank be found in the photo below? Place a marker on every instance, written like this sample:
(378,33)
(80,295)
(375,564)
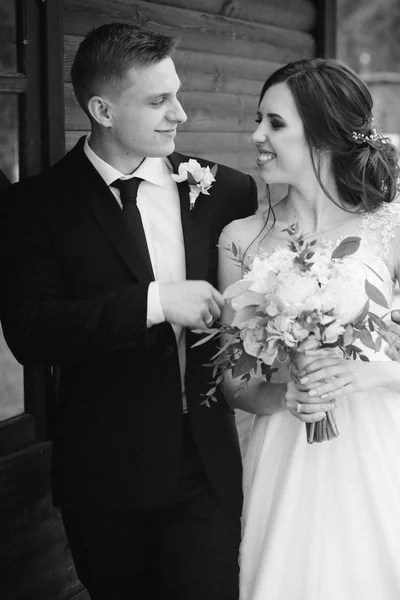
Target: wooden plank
(192,17)
(206,111)
(16,432)
(34,558)
(14,83)
(202,71)
(197,31)
(299,15)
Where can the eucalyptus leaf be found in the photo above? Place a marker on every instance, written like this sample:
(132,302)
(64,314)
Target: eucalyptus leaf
(243,365)
(214,170)
(377,320)
(237,288)
(367,339)
(346,247)
(206,338)
(375,295)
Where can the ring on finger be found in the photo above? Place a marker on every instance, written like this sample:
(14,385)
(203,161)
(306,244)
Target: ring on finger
(209,320)
(299,407)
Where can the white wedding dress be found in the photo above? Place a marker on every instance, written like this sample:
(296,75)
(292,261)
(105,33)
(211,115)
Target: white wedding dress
(322,521)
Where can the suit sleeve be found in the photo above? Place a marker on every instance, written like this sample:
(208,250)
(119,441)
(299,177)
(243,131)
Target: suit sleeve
(41,323)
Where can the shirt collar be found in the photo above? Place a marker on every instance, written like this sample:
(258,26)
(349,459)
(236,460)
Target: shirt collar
(151,169)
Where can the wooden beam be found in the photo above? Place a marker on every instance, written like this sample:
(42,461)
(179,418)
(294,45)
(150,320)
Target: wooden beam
(326,28)
(13,83)
(54,85)
(195,30)
(299,15)
(29,53)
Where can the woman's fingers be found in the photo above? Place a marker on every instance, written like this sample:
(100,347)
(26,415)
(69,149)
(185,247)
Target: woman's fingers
(320,370)
(308,418)
(303,407)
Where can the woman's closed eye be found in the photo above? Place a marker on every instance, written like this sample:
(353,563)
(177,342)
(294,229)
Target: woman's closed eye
(277,124)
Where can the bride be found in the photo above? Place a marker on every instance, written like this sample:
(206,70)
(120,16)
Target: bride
(322,521)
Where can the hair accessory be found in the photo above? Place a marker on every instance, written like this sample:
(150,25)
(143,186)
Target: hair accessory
(373,137)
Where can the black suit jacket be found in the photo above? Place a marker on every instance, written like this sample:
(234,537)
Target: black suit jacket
(77,298)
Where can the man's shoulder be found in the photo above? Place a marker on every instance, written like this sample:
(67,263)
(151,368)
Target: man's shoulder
(56,176)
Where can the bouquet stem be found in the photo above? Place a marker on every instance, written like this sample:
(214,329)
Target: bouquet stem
(327,428)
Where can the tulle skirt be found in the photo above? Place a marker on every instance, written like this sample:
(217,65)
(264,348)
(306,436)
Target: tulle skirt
(322,521)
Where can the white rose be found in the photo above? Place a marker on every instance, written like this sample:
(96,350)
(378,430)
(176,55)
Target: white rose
(269,353)
(252,340)
(299,332)
(295,288)
(330,334)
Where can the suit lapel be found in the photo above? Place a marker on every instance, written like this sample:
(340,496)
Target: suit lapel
(101,201)
(195,226)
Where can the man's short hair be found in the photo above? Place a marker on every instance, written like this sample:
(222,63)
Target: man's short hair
(107,52)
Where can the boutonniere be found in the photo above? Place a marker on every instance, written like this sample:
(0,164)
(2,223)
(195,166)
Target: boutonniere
(200,179)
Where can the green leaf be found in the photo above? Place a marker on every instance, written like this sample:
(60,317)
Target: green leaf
(211,391)
(214,170)
(236,289)
(206,402)
(243,365)
(361,316)
(234,249)
(375,295)
(374,272)
(367,339)
(206,338)
(191,180)
(346,247)
(364,358)
(377,320)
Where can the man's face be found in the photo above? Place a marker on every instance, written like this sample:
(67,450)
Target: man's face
(144,115)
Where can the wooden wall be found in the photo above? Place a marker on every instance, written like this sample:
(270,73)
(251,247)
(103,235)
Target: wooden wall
(227,50)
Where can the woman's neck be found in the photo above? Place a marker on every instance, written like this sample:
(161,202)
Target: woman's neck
(309,206)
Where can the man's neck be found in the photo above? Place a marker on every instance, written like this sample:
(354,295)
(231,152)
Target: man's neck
(108,151)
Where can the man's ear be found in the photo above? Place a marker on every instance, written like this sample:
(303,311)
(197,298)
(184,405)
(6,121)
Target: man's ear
(99,110)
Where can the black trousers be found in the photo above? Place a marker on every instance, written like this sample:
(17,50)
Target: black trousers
(187,550)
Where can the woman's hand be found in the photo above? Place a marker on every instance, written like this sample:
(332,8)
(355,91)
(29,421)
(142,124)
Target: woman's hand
(330,378)
(308,409)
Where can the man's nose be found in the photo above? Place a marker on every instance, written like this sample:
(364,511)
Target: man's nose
(178,114)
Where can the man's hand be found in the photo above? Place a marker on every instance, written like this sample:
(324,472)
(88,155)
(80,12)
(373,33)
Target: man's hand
(193,304)
(394,327)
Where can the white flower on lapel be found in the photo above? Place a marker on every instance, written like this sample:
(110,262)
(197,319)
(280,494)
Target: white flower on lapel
(200,179)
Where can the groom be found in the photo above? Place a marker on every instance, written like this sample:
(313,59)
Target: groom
(110,270)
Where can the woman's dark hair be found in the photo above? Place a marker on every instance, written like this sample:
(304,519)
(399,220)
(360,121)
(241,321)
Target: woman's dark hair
(334,104)
(106,53)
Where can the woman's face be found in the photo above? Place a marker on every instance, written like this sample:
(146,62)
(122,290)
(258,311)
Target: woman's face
(284,155)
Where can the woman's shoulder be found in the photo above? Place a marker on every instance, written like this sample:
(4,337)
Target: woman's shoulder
(243,231)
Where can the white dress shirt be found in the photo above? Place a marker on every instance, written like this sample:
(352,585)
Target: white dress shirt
(159,207)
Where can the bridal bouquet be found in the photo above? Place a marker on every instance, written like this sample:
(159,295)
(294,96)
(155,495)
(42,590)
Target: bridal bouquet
(296,294)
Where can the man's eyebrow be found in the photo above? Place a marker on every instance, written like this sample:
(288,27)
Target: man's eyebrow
(157,95)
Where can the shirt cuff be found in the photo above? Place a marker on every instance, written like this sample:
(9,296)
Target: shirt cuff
(155,313)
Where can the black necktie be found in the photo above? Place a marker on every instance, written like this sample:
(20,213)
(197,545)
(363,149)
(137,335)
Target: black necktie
(128,189)
(131,215)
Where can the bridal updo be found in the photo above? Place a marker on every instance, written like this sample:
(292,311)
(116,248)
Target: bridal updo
(336,109)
